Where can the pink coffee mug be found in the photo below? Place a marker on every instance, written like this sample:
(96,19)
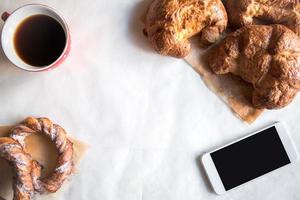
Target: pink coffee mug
(11,23)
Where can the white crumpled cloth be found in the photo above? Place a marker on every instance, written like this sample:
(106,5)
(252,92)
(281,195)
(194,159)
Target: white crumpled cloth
(148,118)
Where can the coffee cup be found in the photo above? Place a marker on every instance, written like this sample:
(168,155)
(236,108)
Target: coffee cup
(35,37)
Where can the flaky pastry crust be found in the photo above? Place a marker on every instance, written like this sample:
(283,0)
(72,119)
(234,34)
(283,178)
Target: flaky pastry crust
(267,56)
(64,147)
(21,163)
(170,23)
(285,12)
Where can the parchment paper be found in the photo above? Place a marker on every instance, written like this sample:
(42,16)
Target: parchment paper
(235,92)
(41,150)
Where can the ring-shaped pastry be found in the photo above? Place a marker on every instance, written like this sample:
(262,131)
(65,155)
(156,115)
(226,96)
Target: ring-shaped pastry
(64,146)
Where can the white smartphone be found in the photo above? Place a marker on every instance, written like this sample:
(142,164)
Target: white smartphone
(250,157)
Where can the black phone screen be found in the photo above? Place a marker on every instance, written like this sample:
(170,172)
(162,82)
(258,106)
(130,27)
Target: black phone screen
(250,158)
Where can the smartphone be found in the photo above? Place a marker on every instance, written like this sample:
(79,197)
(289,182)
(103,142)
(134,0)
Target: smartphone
(250,157)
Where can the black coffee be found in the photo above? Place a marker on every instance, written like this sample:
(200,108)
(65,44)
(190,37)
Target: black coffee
(39,40)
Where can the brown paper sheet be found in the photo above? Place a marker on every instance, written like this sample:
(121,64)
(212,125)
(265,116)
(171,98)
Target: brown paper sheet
(235,92)
(232,90)
(43,151)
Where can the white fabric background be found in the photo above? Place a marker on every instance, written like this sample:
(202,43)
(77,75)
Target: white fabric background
(147,118)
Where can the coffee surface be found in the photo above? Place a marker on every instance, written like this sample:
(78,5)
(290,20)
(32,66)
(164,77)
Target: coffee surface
(39,40)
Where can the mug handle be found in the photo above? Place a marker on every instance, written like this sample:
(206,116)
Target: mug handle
(4,16)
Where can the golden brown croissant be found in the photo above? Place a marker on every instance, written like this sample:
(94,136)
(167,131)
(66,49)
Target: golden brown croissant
(268,57)
(286,12)
(64,147)
(21,162)
(170,23)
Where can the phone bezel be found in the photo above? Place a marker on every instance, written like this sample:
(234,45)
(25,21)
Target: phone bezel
(213,174)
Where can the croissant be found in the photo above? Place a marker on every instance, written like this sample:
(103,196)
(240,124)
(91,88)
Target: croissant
(170,23)
(267,56)
(285,12)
